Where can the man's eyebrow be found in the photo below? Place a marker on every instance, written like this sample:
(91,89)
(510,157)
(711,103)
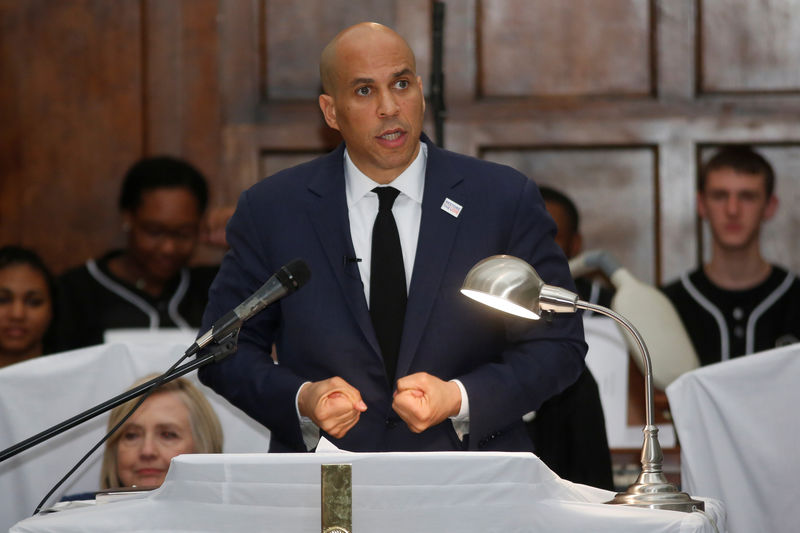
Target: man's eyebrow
(361,81)
(368,81)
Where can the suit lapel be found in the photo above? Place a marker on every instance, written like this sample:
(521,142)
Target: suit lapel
(436,237)
(328,214)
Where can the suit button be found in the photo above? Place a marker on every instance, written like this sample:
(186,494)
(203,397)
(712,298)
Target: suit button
(391,423)
(483,443)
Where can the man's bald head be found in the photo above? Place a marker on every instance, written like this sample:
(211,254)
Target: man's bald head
(358,36)
(373,97)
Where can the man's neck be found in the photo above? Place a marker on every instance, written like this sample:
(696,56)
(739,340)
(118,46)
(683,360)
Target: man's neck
(737,269)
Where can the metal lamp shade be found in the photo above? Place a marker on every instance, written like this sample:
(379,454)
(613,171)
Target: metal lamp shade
(505,283)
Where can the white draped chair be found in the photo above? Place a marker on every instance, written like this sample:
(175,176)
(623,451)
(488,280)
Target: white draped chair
(739,433)
(42,392)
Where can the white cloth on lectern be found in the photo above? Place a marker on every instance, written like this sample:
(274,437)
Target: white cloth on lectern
(392,493)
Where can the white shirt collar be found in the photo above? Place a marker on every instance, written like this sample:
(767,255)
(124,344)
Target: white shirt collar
(411,182)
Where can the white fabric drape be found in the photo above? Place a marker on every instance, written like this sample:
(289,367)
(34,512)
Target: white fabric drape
(738,430)
(42,392)
(392,492)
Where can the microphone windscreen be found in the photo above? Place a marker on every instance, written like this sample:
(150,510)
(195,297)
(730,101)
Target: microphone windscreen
(298,273)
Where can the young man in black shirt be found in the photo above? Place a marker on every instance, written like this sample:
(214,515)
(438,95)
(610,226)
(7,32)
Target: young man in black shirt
(737,303)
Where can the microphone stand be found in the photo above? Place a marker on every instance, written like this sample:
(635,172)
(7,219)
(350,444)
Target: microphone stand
(223,349)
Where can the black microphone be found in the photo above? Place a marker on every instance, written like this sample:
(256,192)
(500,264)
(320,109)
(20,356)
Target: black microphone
(285,281)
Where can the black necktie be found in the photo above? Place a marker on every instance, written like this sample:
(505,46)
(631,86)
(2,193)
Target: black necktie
(387,285)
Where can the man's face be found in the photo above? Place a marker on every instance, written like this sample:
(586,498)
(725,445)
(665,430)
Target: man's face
(568,241)
(735,204)
(163,231)
(377,104)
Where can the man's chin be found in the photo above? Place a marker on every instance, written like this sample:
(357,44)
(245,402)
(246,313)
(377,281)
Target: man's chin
(735,244)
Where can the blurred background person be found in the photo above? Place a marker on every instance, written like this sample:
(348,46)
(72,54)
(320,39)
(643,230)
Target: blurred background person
(175,419)
(26,305)
(569,430)
(737,303)
(569,238)
(148,284)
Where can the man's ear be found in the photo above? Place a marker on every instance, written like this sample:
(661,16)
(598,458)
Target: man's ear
(127,221)
(575,245)
(328,110)
(701,206)
(772,207)
(422,92)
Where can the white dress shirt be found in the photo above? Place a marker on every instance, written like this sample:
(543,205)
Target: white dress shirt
(362,208)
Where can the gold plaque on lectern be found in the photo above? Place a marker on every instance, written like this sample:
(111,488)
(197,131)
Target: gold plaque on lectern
(337,498)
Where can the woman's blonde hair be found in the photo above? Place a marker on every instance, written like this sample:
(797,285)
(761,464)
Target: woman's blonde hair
(206,429)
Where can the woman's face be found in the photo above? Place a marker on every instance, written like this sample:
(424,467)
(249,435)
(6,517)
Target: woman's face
(25,310)
(163,231)
(158,431)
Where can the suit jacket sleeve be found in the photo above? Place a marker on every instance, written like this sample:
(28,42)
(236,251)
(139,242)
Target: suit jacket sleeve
(538,359)
(269,397)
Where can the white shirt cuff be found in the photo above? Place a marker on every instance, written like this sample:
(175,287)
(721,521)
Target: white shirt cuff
(461,420)
(308,428)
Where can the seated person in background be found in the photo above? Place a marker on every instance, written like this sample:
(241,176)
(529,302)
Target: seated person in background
(175,419)
(569,429)
(148,284)
(26,304)
(737,303)
(569,238)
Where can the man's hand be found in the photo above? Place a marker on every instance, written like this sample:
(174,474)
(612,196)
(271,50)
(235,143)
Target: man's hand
(332,404)
(423,400)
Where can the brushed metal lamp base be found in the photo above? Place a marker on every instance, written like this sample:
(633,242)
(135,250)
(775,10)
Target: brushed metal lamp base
(651,488)
(657,493)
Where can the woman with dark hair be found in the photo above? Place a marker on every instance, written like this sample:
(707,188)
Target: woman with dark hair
(148,284)
(26,304)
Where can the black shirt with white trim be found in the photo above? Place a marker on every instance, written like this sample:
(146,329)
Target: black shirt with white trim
(723,324)
(92,300)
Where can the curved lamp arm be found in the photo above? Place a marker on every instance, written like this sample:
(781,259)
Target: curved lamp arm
(672,351)
(642,349)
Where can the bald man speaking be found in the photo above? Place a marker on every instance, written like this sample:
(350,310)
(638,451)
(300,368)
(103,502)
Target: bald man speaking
(381,352)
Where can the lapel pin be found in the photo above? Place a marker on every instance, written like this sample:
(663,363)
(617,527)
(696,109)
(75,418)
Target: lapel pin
(449,206)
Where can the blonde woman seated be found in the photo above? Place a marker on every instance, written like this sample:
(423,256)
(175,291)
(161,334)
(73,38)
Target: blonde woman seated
(176,418)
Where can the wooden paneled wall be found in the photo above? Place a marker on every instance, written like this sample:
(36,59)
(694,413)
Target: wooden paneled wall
(613,101)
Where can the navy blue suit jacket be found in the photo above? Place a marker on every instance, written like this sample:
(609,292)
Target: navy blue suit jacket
(508,366)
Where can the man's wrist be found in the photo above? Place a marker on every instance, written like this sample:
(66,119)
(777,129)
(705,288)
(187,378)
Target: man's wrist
(301,411)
